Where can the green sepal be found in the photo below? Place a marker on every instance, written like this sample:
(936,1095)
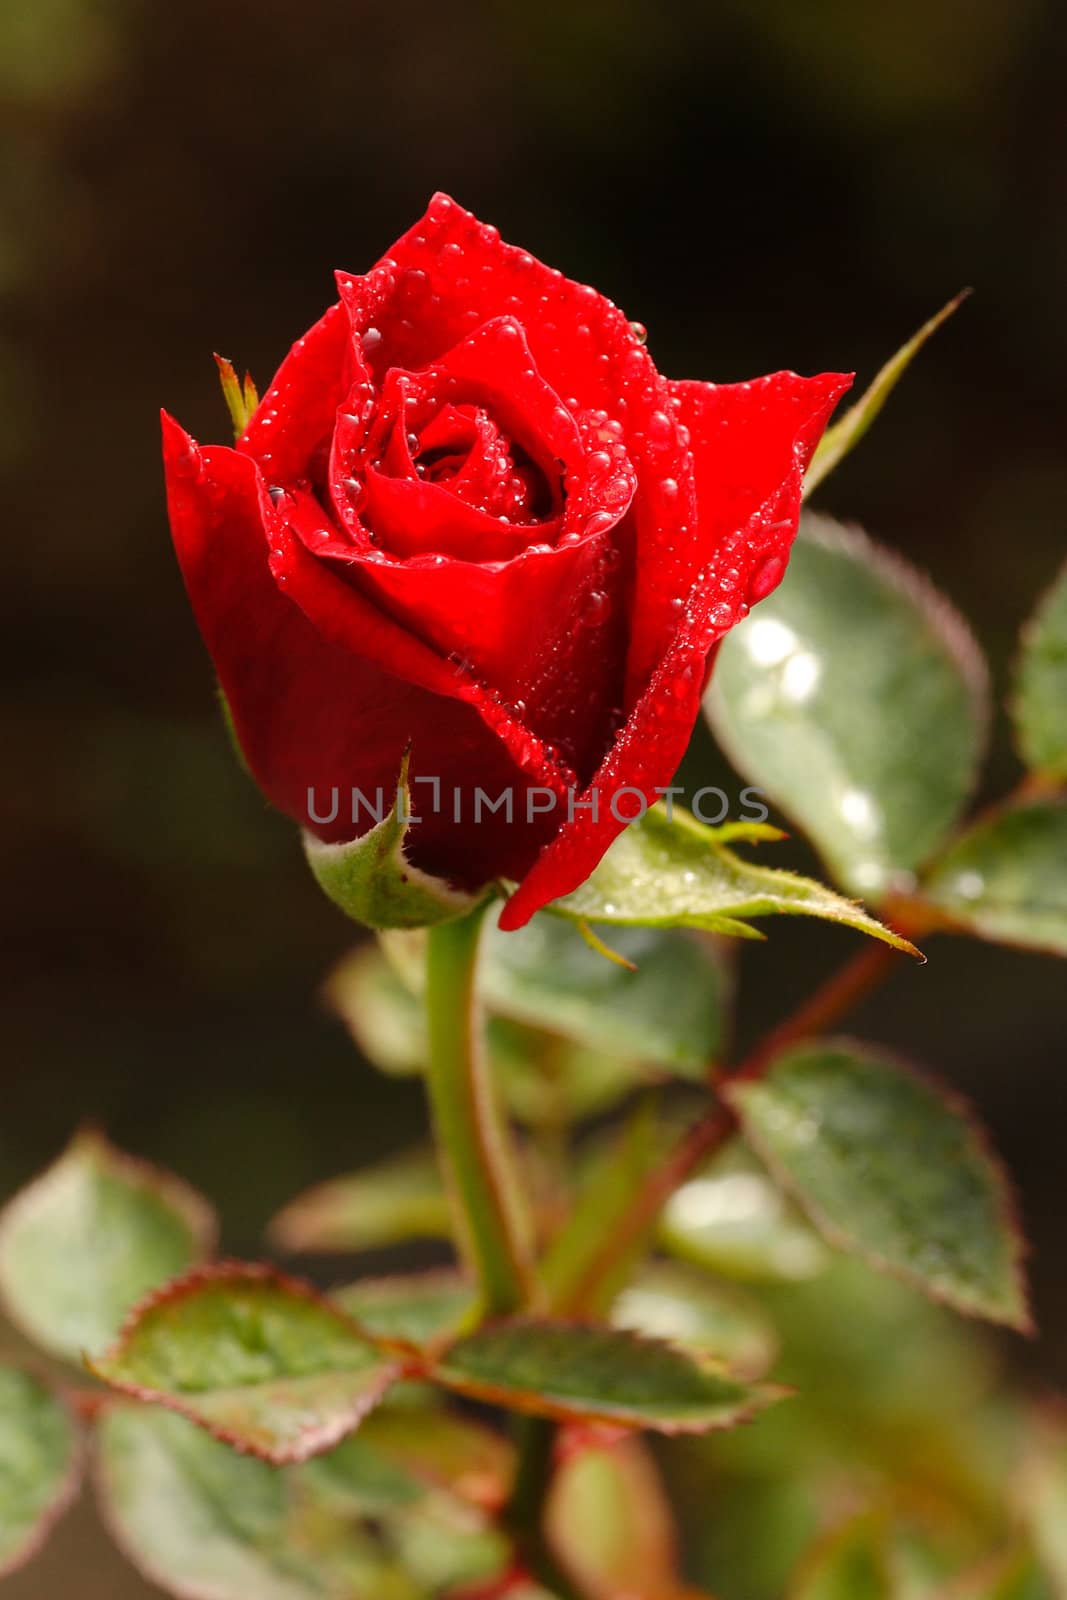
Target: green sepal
(372,880)
(673,872)
(241,398)
(845,434)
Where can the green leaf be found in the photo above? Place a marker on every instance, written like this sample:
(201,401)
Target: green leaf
(40,1465)
(205,1523)
(447,1549)
(892,1169)
(386,1020)
(844,435)
(670,1012)
(442,1448)
(401,1198)
(852,1563)
(1040,702)
(857,699)
(664,873)
(89,1238)
(572,1371)
(355,1478)
(547,1081)
(1006,878)
(686,1307)
(372,880)
(734,1221)
(421,1308)
(572,1270)
(261,1361)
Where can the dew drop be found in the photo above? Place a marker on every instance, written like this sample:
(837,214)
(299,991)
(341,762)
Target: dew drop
(660,428)
(371,339)
(597,608)
(765,577)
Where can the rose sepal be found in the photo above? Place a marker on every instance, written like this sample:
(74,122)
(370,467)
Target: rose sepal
(668,869)
(372,880)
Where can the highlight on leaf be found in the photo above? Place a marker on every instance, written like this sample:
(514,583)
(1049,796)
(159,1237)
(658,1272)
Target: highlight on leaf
(857,698)
(1005,877)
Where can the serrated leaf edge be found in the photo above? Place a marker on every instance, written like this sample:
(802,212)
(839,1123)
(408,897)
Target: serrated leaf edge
(759,1396)
(1008,1207)
(312,1441)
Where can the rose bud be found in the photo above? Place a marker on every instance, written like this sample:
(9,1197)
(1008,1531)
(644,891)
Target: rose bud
(471,521)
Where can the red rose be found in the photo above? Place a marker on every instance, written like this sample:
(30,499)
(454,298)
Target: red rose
(470,517)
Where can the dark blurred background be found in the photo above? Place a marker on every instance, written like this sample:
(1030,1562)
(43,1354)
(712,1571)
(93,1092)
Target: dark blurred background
(763,185)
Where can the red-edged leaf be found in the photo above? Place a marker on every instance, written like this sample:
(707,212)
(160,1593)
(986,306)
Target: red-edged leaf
(261,1360)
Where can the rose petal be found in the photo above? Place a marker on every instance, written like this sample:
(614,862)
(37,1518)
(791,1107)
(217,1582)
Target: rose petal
(413,517)
(541,629)
(744,438)
(786,414)
(297,412)
(452,273)
(310,713)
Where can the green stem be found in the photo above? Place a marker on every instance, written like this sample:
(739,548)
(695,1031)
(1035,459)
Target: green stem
(525,1512)
(471,1136)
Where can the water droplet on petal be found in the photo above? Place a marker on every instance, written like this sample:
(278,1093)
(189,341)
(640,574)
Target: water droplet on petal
(660,428)
(597,608)
(766,576)
(371,339)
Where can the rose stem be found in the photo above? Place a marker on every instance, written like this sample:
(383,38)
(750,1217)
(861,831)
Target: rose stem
(472,1140)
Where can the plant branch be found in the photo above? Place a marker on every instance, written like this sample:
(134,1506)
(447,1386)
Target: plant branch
(832,1000)
(472,1139)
